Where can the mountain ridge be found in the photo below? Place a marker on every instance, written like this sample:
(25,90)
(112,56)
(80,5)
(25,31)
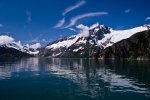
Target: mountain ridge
(9,48)
(89,42)
(83,46)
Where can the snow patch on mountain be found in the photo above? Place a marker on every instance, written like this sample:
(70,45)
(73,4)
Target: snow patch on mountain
(76,50)
(65,43)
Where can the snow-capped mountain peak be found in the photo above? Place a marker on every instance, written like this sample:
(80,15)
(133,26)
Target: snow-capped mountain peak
(96,37)
(96,31)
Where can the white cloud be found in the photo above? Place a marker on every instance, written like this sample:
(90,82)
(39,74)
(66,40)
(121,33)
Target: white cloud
(92,14)
(127,11)
(60,23)
(1,25)
(84,30)
(71,8)
(35,46)
(94,25)
(29,16)
(67,10)
(4,39)
(147,18)
(72,29)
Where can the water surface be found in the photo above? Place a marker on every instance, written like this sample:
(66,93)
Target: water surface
(74,79)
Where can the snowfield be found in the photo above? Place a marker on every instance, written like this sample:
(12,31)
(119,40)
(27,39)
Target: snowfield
(118,35)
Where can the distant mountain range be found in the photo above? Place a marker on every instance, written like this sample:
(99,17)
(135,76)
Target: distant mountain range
(97,41)
(10,48)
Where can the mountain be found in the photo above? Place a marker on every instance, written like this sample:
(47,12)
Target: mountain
(12,53)
(89,42)
(135,47)
(10,48)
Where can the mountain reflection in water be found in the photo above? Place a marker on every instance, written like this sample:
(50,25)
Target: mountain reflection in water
(82,78)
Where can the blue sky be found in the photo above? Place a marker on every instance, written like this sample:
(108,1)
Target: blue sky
(46,20)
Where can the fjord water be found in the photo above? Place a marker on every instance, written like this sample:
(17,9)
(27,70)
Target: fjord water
(74,79)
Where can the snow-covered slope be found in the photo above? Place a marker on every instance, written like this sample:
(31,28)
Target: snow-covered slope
(80,38)
(90,40)
(9,42)
(135,47)
(118,35)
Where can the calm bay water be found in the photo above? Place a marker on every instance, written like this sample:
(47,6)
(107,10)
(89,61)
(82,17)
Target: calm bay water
(74,79)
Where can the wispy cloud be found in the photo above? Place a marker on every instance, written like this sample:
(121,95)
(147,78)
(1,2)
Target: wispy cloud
(1,25)
(72,29)
(127,11)
(71,8)
(29,17)
(92,14)
(67,10)
(147,18)
(60,23)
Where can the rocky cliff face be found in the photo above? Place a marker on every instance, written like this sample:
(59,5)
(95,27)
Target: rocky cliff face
(135,47)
